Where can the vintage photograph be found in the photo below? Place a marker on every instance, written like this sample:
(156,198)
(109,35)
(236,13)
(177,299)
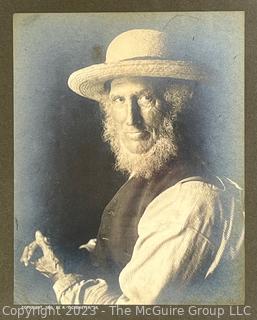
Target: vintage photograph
(129,158)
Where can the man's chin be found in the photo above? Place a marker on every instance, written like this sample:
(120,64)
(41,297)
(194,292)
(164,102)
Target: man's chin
(137,148)
(145,163)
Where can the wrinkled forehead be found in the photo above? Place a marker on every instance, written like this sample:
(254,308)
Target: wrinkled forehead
(140,80)
(139,84)
(133,85)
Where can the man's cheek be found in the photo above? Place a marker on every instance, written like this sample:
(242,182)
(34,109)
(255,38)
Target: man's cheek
(118,115)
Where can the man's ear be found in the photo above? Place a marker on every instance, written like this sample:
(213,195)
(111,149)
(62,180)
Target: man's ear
(179,95)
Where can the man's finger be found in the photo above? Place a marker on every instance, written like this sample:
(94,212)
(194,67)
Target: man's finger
(32,248)
(28,252)
(24,256)
(46,240)
(89,246)
(40,240)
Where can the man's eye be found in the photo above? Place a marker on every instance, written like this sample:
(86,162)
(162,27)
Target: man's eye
(146,100)
(118,99)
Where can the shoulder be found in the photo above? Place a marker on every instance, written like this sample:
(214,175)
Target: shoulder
(187,193)
(196,190)
(193,201)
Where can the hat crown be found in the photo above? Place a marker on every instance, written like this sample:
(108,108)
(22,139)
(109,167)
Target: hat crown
(138,43)
(134,53)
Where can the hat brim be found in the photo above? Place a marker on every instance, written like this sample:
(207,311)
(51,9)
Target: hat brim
(89,82)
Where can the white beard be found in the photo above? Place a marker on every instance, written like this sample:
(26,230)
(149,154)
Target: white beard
(147,164)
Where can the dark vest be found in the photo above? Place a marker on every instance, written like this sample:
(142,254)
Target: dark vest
(118,234)
(118,230)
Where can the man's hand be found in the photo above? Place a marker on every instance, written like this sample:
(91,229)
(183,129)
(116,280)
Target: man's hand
(49,265)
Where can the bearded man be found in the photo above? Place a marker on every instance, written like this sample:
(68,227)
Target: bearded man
(173,232)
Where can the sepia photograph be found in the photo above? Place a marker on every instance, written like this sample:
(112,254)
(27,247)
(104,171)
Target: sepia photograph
(129,158)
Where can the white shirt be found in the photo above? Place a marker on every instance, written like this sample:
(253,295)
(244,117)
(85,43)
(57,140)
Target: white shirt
(188,226)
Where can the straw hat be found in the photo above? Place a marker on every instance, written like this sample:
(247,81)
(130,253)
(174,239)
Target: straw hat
(134,53)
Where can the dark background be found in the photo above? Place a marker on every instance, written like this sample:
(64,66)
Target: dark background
(63,172)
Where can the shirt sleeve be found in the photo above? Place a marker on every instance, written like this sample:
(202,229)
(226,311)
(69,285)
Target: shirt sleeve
(69,289)
(179,235)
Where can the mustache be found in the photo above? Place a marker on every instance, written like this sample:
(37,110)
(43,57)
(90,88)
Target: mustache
(152,161)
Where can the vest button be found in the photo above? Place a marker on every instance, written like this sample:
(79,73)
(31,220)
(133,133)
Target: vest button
(111,213)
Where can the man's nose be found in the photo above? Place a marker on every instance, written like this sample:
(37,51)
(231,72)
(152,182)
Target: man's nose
(133,113)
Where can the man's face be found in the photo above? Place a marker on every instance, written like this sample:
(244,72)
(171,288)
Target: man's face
(140,117)
(137,112)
